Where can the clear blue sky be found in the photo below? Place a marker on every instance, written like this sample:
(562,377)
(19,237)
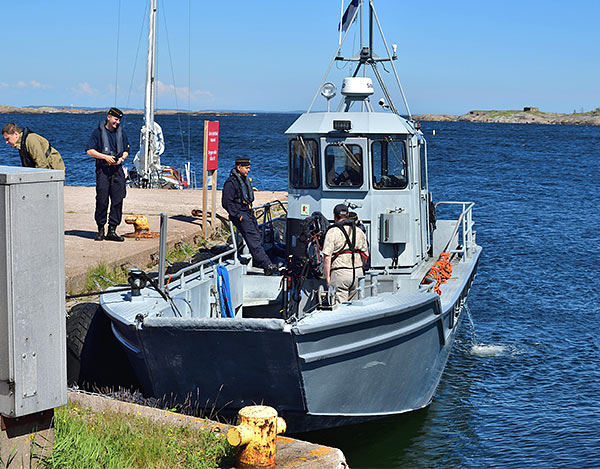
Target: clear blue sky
(271,55)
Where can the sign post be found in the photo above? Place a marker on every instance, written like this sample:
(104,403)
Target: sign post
(211,158)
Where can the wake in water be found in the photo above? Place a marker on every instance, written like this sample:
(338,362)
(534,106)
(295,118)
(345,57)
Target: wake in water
(488,350)
(478,348)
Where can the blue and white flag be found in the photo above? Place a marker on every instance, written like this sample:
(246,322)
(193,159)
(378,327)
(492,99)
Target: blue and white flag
(348,15)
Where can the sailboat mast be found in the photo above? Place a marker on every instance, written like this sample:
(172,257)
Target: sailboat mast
(150,92)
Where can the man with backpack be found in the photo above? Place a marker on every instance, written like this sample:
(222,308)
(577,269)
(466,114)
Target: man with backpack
(35,151)
(345,250)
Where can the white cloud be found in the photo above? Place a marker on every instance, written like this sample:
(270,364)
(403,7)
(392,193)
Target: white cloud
(85,88)
(183,92)
(21,84)
(37,84)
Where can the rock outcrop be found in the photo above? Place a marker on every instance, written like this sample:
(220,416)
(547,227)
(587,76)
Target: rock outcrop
(6,109)
(518,117)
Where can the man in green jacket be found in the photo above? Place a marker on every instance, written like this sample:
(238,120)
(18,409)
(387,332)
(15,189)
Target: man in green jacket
(35,151)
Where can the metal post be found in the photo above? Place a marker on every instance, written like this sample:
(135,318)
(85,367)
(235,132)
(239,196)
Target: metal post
(149,94)
(370,28)
(234,240)
(360,287)
(162,253)
(466,233)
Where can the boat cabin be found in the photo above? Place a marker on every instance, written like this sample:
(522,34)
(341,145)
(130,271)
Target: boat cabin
(376,163)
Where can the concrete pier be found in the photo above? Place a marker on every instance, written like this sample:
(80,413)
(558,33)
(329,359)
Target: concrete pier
(83,253)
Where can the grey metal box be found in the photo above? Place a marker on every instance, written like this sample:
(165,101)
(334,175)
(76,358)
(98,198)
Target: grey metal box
(394,228)
(33,370)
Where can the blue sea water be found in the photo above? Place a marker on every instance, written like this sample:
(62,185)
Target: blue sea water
(260,137)
(528,395)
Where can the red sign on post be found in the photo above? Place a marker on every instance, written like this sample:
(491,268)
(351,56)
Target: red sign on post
(211,140)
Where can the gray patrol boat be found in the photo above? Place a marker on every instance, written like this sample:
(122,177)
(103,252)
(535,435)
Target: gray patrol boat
(281,340)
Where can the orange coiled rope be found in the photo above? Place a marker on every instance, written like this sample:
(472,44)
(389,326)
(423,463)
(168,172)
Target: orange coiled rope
(440,272)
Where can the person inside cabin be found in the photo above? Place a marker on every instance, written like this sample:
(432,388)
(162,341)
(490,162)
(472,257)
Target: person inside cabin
(109,146)
(35,151)
(344,168)
(350,176)
(237,198)
(345,250)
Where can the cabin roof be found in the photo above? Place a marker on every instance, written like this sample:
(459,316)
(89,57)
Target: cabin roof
(375,123)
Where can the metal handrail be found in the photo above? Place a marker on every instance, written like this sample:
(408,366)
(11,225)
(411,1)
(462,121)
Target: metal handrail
(213,260)
(180,275)
(465,221)
(270,204)
(216,259)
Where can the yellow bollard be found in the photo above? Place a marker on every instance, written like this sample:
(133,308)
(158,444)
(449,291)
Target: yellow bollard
(255,433)
(141,226)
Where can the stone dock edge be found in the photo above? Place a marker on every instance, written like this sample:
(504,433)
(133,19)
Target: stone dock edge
(291,453)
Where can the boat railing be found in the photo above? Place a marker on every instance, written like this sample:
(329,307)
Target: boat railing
(201,265)
(267,209)
(463,228)
(266,216)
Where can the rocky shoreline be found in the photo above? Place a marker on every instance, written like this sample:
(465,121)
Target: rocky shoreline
(5,109)
(518,117)
(532,116)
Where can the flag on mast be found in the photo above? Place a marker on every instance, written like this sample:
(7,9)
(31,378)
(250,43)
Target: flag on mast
(348,15)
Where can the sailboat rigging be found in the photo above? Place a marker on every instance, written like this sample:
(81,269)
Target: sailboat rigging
(148,172)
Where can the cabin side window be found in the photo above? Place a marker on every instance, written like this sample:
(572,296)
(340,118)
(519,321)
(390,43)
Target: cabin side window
(344,165)
(304,163)
(389,164)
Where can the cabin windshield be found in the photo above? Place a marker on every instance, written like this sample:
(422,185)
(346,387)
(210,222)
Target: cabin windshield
(389,163)
(344,165)
(304,163)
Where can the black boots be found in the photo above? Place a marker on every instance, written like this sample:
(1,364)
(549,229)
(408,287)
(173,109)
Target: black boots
(271,269)
(100,235)
(112,234)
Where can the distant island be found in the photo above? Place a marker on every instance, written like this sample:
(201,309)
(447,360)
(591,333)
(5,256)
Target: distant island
(529,115)
(5,109)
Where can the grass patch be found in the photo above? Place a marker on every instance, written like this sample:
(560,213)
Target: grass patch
(84,438)
(180,252)
(508,113)
(103,276)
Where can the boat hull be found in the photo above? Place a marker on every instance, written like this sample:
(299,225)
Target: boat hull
(373,358)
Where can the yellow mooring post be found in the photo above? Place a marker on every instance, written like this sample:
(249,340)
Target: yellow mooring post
(255,434)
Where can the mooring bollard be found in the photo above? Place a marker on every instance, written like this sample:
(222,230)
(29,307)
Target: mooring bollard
(255,434)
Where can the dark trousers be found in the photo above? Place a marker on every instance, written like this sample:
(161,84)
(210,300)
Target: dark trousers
(249,229)
(110,185)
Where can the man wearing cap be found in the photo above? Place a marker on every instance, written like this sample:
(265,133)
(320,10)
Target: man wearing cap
(35,151)
(237,198)
(345,250)
(108,144)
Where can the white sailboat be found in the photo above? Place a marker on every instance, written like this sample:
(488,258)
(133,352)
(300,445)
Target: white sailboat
(148,171)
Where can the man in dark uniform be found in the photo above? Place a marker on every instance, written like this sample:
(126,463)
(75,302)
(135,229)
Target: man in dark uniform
(237,199)
(109,146)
